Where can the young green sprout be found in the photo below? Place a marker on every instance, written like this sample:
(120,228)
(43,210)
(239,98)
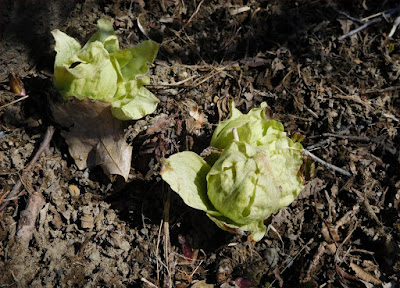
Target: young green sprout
(100,71)
(257,173)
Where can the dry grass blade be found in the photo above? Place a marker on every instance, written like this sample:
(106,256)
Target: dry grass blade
(15,101)
(167,242)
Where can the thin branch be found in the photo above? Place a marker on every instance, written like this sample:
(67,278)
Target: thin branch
(148,282)
(26,224)
(349,137)
(387,13)
(362,27)
(383,15)
(167,243)
(348,16)
(15,101)
(17,187)
(326,164)
(194,14)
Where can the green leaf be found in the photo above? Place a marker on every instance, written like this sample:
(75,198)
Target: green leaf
(133,62)
(137,104)
(249,179)
(249,183)
(250,127)
(66,46)
(106,35)
(100,71)
(186,173)
(257,229)
(88,73)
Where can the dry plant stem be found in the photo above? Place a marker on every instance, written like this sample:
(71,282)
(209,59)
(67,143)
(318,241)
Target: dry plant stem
(316,260)
(191,17)
(15,101)
(326,164)
(147,282)
(376,20)
(367,205)
(17,187)
(167,276)
(173,84)
(362,27)
(26,224)
(294,258)
(157,251)
(350,137)
(346,217)
(350,17)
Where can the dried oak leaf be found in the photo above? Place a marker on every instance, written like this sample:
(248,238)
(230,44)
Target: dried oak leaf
(94,136)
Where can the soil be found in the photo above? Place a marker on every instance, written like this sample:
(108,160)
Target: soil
(342,95)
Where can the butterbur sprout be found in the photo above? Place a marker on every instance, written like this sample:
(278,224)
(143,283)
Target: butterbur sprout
(101,85)
(256,174)
(100,71)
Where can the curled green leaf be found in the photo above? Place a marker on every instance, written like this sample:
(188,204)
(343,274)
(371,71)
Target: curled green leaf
(101,71)
(250,180)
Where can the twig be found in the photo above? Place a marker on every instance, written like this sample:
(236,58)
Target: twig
(350,17)
(148,282)
(15,101)
(346,217)
(392,88)
(383,15)
(167,276)
(17,187)
(362,27)
(289,263)
(157,251)
(350,137)
(387,12)
(206,78)
(173,84)
(316,260)
(319,144)
(367,206)
(191,17)
(26,224)
(326,164)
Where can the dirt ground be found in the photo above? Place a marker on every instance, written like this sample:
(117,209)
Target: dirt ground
(343,95)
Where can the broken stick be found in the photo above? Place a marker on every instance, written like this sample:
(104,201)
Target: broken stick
(17,187)
(26,224)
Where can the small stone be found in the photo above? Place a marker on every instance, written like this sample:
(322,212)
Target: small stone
(74,190)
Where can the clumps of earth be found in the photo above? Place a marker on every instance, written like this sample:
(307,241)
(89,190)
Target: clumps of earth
(68,226)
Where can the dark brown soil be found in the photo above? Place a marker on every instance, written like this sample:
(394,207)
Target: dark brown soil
(343,95)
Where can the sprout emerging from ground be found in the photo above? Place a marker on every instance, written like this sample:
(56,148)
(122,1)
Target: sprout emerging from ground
(257,173)
(100,71)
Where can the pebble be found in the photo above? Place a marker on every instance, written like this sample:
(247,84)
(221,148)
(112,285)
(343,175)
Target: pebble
(74,190)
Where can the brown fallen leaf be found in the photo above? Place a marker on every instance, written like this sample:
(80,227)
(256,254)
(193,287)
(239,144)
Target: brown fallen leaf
(94,136)
(364,275)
